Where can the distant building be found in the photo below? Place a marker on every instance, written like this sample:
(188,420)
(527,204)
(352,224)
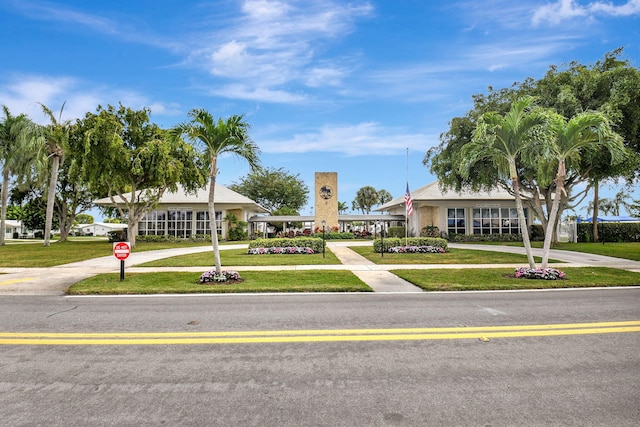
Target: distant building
(182,215)
(98,228)
(13,227)
(462,213)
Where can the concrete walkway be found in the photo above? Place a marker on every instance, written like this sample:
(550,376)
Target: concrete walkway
(56,280)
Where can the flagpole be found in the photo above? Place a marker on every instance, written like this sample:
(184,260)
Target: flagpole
(406,206)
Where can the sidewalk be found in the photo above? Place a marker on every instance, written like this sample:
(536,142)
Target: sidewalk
(56,280)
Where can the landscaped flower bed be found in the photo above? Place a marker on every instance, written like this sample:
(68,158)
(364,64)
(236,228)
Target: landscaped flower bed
(416,250)
(280,250)
(225,276)
(538,273)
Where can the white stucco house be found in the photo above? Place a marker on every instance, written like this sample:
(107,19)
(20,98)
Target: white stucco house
(98,228)
(462,213)
(12,227)
(182,215)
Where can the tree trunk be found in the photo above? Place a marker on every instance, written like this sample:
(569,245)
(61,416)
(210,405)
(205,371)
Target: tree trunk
(523,223)
(596,201)
(3,209)
(551,225)
(212,216)
(51,197)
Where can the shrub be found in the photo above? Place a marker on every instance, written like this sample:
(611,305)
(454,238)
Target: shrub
(538,273)
(280,250)
(417,250)
(430,231)
(396,232)
(313,243)
(460,238)
(610,232)
(391,242)
(211,276)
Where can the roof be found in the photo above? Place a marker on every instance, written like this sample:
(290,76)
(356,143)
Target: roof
(433,192)
(13,223)
(222,195)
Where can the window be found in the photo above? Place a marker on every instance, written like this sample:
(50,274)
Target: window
(179,223)
(153,223)
(456,221)
(496,221)
(203,224)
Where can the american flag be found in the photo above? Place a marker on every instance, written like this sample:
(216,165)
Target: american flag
(408,202)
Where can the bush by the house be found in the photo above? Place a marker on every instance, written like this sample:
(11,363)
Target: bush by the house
(461,238)
(417,250)
(610,232)
(313,243)
(538,273)
(293,250)
(392,242)
(396,231)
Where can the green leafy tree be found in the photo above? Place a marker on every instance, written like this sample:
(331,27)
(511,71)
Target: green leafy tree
(273,189)
(217,137)
(384,196)
(12,155)
(342,208)
(133,162)
(84,219)
(501,139)
(366,198)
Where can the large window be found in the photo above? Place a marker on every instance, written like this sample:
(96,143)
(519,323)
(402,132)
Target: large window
(456,221)
(495,221)
(154,222)
(203,224)
(179,223)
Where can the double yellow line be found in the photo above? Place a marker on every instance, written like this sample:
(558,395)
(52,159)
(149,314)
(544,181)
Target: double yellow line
(483,333)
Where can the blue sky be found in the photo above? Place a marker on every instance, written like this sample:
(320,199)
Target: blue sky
(327,85)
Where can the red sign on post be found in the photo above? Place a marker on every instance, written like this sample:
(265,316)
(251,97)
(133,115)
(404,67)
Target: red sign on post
(121,250)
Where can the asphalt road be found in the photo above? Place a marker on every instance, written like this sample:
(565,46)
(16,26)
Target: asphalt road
(555,358)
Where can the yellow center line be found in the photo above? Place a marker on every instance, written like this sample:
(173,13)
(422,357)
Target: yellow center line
(14,281)
(322,335)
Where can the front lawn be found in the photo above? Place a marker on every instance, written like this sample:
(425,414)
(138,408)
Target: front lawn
(239,257)
(254,281)
(453,256)
(503,279)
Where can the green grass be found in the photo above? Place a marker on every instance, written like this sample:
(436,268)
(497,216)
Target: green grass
(453,256)
(503,279)
(58,253)
(626,250)
(239,257)
(254,281)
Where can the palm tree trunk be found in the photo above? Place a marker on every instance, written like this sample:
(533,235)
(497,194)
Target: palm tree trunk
(3,209)
(212,215)
(551,225)
(596,202)
(523,223)
(51,197)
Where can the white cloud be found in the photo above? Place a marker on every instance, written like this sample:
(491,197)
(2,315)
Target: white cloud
(25,93)
(562,10)
(274,44)
(368,138)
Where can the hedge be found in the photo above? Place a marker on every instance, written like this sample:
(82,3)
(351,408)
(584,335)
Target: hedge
(610,232)
(314,243)
(391,242)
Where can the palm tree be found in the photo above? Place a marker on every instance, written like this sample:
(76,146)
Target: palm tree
(12,130)
(588,130)
(217,138)
(502,139)
(50,141)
